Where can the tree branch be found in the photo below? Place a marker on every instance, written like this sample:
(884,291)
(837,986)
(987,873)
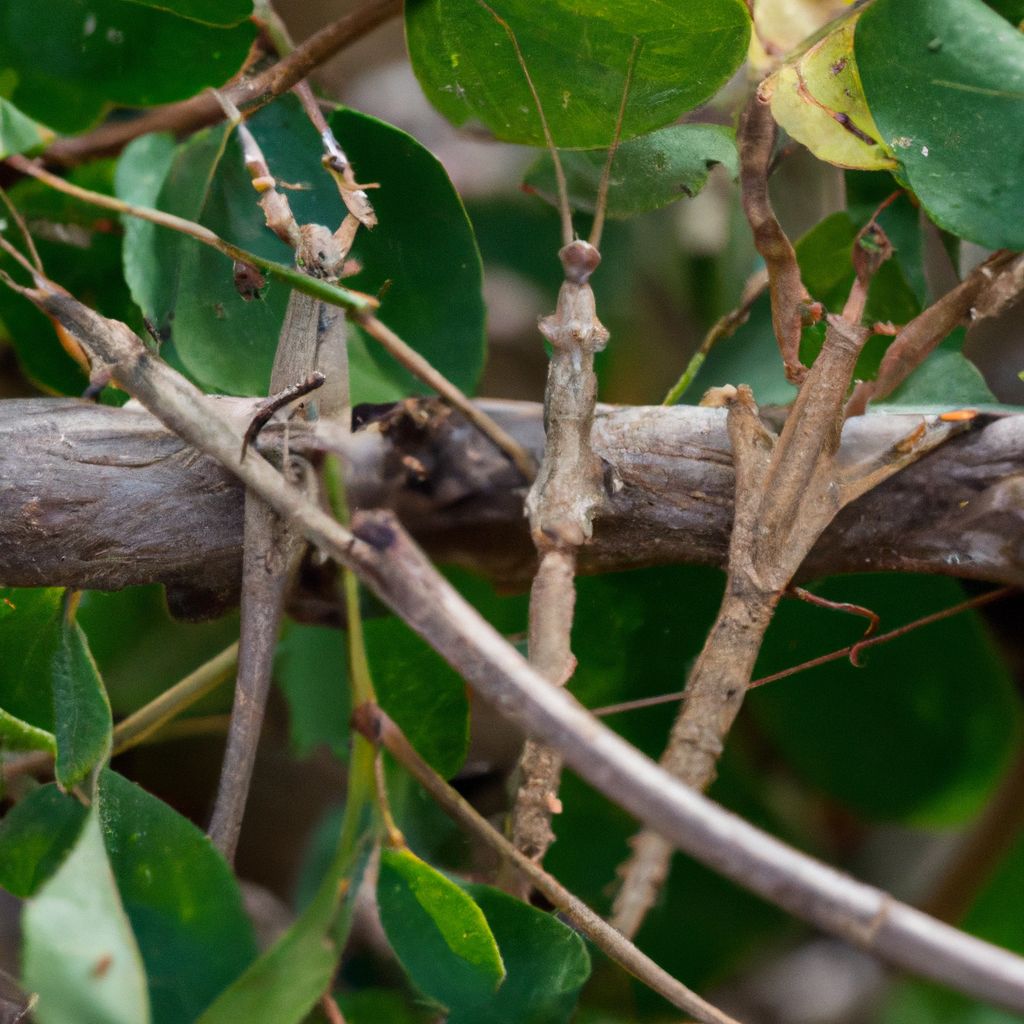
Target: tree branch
(378,727)
(383,555)
(103,498)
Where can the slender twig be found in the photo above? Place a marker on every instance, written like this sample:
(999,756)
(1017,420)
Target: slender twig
(756,140)
(837,655)
(374,723)
(987,290)
(379,550)
(247,93)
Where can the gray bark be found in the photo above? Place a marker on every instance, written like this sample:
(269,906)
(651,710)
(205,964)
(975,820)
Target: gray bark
(103,498)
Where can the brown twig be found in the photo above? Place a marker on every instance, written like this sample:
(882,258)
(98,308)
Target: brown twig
(389,562)
(311,348)
(788,489)
(248,93)
(374,723)
(986,291)
(756,139)
(824,659)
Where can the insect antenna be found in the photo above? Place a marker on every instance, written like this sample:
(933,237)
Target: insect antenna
(563,191)
(601,206)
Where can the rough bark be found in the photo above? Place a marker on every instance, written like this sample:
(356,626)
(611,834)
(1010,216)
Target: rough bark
(104,498)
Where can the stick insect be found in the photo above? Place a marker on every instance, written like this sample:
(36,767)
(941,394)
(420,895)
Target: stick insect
(570,483)
(311,351)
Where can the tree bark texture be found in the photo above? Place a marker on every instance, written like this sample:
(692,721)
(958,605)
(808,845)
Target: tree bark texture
(104,498)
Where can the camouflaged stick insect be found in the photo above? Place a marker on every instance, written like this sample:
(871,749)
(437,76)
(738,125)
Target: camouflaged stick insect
(570,483)
(311,346)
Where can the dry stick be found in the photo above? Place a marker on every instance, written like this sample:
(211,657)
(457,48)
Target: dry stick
(569,485)
(824,659)
(247,93)
(788,489)
(756,138)
(380,551)
(312,339)
(985,292)
(379,728)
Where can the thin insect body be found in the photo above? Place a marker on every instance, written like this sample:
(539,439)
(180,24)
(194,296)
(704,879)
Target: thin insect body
(570,483)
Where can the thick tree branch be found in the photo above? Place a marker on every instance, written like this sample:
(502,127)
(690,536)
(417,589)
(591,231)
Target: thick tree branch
(103,498)
(380,551)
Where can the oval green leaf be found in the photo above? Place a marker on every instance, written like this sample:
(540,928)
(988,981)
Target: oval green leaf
(29,635)
(79,953)
(547,964)
(81,711)
(945,83)
(818,98)
(18,133)
(578,55)
(181,898)
(71,59)
(649,172)
(438,933)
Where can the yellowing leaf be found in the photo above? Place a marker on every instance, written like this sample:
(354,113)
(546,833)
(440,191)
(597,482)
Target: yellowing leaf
(818,98)
(780,26)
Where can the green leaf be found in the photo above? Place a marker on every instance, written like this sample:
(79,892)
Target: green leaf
(181,898)
(29,635)
(947,377)
(817,97)
(80,955)
(421,692)
(375,1006)
(311,668)
(19,133)
(36,835)
(649,172)
(945,82)
(423,246)
(284,984)
(82,720)
(438,933)
(73,58)
(81,249)
(577,55)
(546,962)
(209,12)
(928,725)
